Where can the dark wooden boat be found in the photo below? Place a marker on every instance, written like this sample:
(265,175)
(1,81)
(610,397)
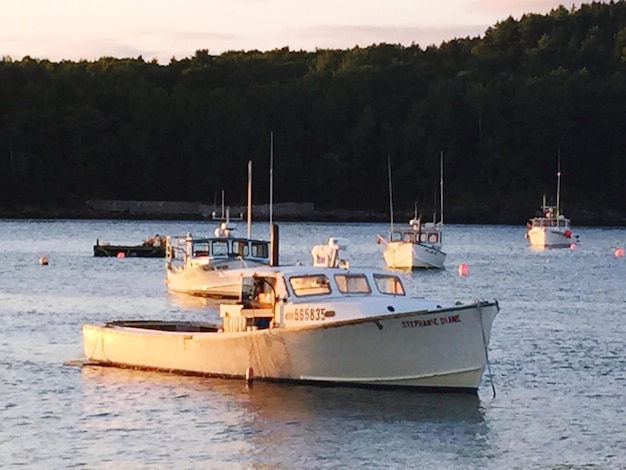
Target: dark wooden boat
(144,250)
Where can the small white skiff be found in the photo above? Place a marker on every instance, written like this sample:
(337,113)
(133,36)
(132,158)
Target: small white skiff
(314,324)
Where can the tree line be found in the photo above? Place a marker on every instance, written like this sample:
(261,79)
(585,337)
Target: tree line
(505,109)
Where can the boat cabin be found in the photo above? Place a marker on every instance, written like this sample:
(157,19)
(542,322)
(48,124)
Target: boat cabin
(202,251)
(270,300)
(429,236)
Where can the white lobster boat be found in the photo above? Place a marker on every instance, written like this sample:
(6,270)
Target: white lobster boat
(315,325)
(420,245)
(207,266)
(552,229)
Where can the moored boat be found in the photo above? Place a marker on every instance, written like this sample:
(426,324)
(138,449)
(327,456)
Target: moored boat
(152,247)
(551,229)
(418,247)
(316,325)
(207,266)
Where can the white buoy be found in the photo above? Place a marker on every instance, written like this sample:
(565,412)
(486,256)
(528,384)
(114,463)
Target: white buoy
(249,374)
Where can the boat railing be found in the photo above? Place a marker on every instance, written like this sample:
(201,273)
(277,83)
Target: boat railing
(550,222)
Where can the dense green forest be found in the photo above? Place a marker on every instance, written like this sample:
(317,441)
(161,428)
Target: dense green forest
(503,108)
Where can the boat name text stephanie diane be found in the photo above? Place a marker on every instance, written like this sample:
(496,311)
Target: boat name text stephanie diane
(431,322)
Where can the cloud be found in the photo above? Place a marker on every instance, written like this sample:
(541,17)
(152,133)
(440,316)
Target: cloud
(348,36)
(516,8)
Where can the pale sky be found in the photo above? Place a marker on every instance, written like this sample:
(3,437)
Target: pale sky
(162,29)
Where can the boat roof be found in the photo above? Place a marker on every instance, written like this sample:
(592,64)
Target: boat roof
(303,270)
(210,239)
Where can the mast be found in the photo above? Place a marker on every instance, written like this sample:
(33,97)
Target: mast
(249,198)
(558,184)
(271,174)
(390,190)
(441,187)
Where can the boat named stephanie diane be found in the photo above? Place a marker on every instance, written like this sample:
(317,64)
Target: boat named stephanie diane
(315,325)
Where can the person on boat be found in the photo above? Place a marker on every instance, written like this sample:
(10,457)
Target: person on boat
(223,231)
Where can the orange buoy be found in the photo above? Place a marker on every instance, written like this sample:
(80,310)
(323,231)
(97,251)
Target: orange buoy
(121,255)
(619,252)
(463,269)
(43,261)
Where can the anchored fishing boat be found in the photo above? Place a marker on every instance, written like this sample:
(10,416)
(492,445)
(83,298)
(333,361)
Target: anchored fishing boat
(419,246)
(552,229)
(203,266)
(152,247)
(320,325)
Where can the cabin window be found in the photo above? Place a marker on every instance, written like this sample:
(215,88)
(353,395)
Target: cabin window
(389,284)
(260,250)
(423,237)
(395,236)
(220,248)
(352,284)
(433,237)
(310,285)
(409,237)
(240,248)
(200,249)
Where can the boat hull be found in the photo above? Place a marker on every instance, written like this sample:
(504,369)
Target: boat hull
(129,251)
(443,349)
(407,255)
(551,237)
(219,280)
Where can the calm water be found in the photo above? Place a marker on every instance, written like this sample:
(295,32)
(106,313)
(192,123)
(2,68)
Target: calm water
(557,360)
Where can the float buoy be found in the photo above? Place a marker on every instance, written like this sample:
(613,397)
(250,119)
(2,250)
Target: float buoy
(43,261)
(121,255)
(619,252)
(463,269)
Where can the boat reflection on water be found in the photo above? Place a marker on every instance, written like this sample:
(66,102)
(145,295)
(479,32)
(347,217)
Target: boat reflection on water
(278,404)
(215,423)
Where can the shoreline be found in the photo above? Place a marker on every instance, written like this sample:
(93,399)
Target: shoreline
(282,212)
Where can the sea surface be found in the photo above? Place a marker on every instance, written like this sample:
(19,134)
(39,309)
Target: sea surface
(557,362)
